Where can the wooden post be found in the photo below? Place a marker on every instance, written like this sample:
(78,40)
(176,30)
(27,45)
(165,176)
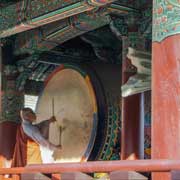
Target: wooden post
(56,177)
(166,83)
(130,144)
(16,177)
(166,101)
(1,177)
(11,101)
(0,82)
(1,157)
(132,134)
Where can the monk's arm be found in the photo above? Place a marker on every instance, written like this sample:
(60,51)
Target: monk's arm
(37,137)
(34,133)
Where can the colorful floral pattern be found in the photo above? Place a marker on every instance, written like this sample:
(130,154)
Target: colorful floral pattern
(166,19)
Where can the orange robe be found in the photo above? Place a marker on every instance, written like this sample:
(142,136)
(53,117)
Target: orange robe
(26,150)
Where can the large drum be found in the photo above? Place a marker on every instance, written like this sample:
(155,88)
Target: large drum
(85,100)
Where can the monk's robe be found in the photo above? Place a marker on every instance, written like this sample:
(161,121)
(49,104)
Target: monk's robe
(26,150)
(29,137)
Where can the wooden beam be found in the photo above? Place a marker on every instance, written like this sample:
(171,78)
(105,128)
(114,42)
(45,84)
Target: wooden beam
(56,14)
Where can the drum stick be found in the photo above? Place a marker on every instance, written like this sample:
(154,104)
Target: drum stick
(53,106)
(60,127)
(60,133)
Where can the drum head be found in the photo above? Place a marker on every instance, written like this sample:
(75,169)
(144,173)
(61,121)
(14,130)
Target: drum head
(70,96)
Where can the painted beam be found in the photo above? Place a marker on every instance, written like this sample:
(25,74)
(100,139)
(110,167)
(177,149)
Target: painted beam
(47,18)
(24,23)
(30,15)
(79,25)
(5,3)
(47,38)
(121,10)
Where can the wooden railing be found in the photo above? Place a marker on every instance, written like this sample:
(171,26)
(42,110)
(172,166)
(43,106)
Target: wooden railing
(94,166)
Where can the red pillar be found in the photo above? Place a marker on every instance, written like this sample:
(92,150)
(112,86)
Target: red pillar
(132,146)
(7,142)
(166,101)
(11,101)
(132,134)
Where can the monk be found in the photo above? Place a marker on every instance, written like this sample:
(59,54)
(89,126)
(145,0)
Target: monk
(29,137)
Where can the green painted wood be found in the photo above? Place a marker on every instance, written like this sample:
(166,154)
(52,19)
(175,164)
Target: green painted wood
(166,19)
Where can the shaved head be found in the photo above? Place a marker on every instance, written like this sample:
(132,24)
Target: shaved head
(27,114)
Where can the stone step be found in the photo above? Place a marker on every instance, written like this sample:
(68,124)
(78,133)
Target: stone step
(126,175)
(117,175)
(64,176)
(122,175)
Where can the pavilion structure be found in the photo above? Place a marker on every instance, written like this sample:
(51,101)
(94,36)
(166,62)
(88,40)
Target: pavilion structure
(38,35)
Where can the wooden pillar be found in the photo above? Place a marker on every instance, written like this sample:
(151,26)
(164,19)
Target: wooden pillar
(0,81)
(131,145)
(11,101)
(1,157)
(132,131)
(166,101)
(132,135)
(166,84)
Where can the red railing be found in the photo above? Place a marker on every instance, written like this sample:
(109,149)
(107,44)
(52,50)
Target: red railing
(94,166)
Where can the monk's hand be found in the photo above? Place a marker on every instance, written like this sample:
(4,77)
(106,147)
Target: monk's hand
(59,147)
(57,153)
(52,119)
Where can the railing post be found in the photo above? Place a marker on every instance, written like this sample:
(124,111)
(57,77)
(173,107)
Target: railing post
(56,177)
(16,177)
